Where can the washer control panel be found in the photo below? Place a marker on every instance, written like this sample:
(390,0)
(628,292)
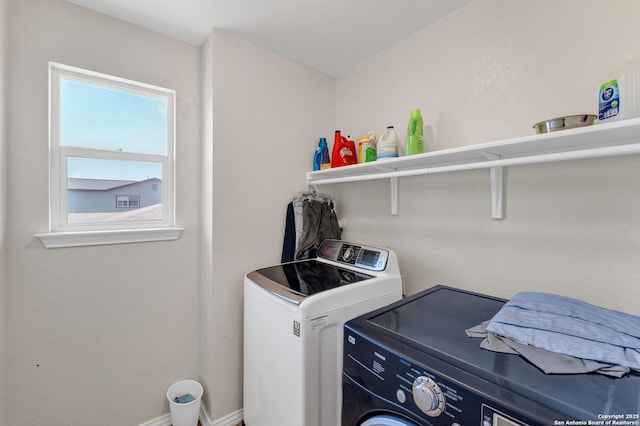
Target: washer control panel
(358,255)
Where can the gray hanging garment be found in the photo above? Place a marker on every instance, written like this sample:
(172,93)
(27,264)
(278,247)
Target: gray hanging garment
(319,222)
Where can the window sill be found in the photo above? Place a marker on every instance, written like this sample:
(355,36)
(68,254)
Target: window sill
(95,238)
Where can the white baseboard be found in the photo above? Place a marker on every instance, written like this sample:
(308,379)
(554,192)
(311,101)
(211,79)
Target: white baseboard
(228,420)
(160,421)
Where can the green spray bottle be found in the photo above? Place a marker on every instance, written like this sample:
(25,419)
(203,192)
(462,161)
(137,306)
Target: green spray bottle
(414,142)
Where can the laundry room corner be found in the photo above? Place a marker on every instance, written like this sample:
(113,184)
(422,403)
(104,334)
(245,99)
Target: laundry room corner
(261,115)
(482,223)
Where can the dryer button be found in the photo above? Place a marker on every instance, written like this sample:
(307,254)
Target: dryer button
(402,397)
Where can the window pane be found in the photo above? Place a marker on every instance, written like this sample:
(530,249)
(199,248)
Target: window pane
(93,116)
(102,191)
(123,201)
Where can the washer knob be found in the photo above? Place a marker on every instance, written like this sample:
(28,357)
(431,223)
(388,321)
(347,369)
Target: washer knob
(428,396)
(348,254)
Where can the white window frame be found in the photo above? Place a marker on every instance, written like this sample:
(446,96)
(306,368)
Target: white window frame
(61,232)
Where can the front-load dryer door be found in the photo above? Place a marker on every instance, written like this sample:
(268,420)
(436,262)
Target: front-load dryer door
(386,420)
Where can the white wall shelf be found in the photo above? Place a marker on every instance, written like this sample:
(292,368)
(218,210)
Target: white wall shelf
(600,140)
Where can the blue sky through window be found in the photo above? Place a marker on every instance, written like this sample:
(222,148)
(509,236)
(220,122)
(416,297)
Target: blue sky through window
(98,117)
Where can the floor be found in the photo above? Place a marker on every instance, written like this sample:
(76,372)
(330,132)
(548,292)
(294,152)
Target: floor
(239,424)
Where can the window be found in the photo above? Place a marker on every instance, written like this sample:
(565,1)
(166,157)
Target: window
(110,139)
(127,201)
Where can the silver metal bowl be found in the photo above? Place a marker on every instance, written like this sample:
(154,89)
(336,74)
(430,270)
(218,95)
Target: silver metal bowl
(566,122)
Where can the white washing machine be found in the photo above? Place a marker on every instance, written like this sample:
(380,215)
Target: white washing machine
(293,330)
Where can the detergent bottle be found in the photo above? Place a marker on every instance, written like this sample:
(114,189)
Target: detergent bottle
(619,98)
(321,159)
(372,153)
(344,151)
(366,149)
(372,138)
(388,144)
(414,142)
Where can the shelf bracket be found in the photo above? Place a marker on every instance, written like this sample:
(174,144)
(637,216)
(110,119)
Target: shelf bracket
(497,187)
(394,196)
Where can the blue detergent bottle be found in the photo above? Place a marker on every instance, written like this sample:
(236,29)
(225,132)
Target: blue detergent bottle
(321,158)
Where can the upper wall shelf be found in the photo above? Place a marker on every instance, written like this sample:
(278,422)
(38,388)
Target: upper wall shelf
(600,140)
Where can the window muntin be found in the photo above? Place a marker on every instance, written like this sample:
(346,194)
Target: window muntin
(106,130)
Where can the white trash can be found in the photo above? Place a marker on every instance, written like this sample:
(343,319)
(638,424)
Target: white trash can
(185,414)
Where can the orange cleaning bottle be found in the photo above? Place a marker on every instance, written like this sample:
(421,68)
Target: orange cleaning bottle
(343,152)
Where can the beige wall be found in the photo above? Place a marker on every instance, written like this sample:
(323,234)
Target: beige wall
(96,334)
(488,72)
(4,35)
(263,115)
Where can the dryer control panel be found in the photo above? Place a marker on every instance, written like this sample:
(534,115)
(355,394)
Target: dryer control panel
(358,255)
(426,395)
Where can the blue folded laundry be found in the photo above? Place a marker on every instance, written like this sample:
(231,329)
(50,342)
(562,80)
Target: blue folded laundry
(571,327)
(184,399)
(547,361)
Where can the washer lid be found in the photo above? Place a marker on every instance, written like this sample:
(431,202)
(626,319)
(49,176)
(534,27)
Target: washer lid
(297,280)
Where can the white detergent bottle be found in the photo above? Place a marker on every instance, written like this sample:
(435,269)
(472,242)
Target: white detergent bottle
(388,144)
(619,98)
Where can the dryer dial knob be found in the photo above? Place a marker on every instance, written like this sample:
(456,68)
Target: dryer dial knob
(428,396)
